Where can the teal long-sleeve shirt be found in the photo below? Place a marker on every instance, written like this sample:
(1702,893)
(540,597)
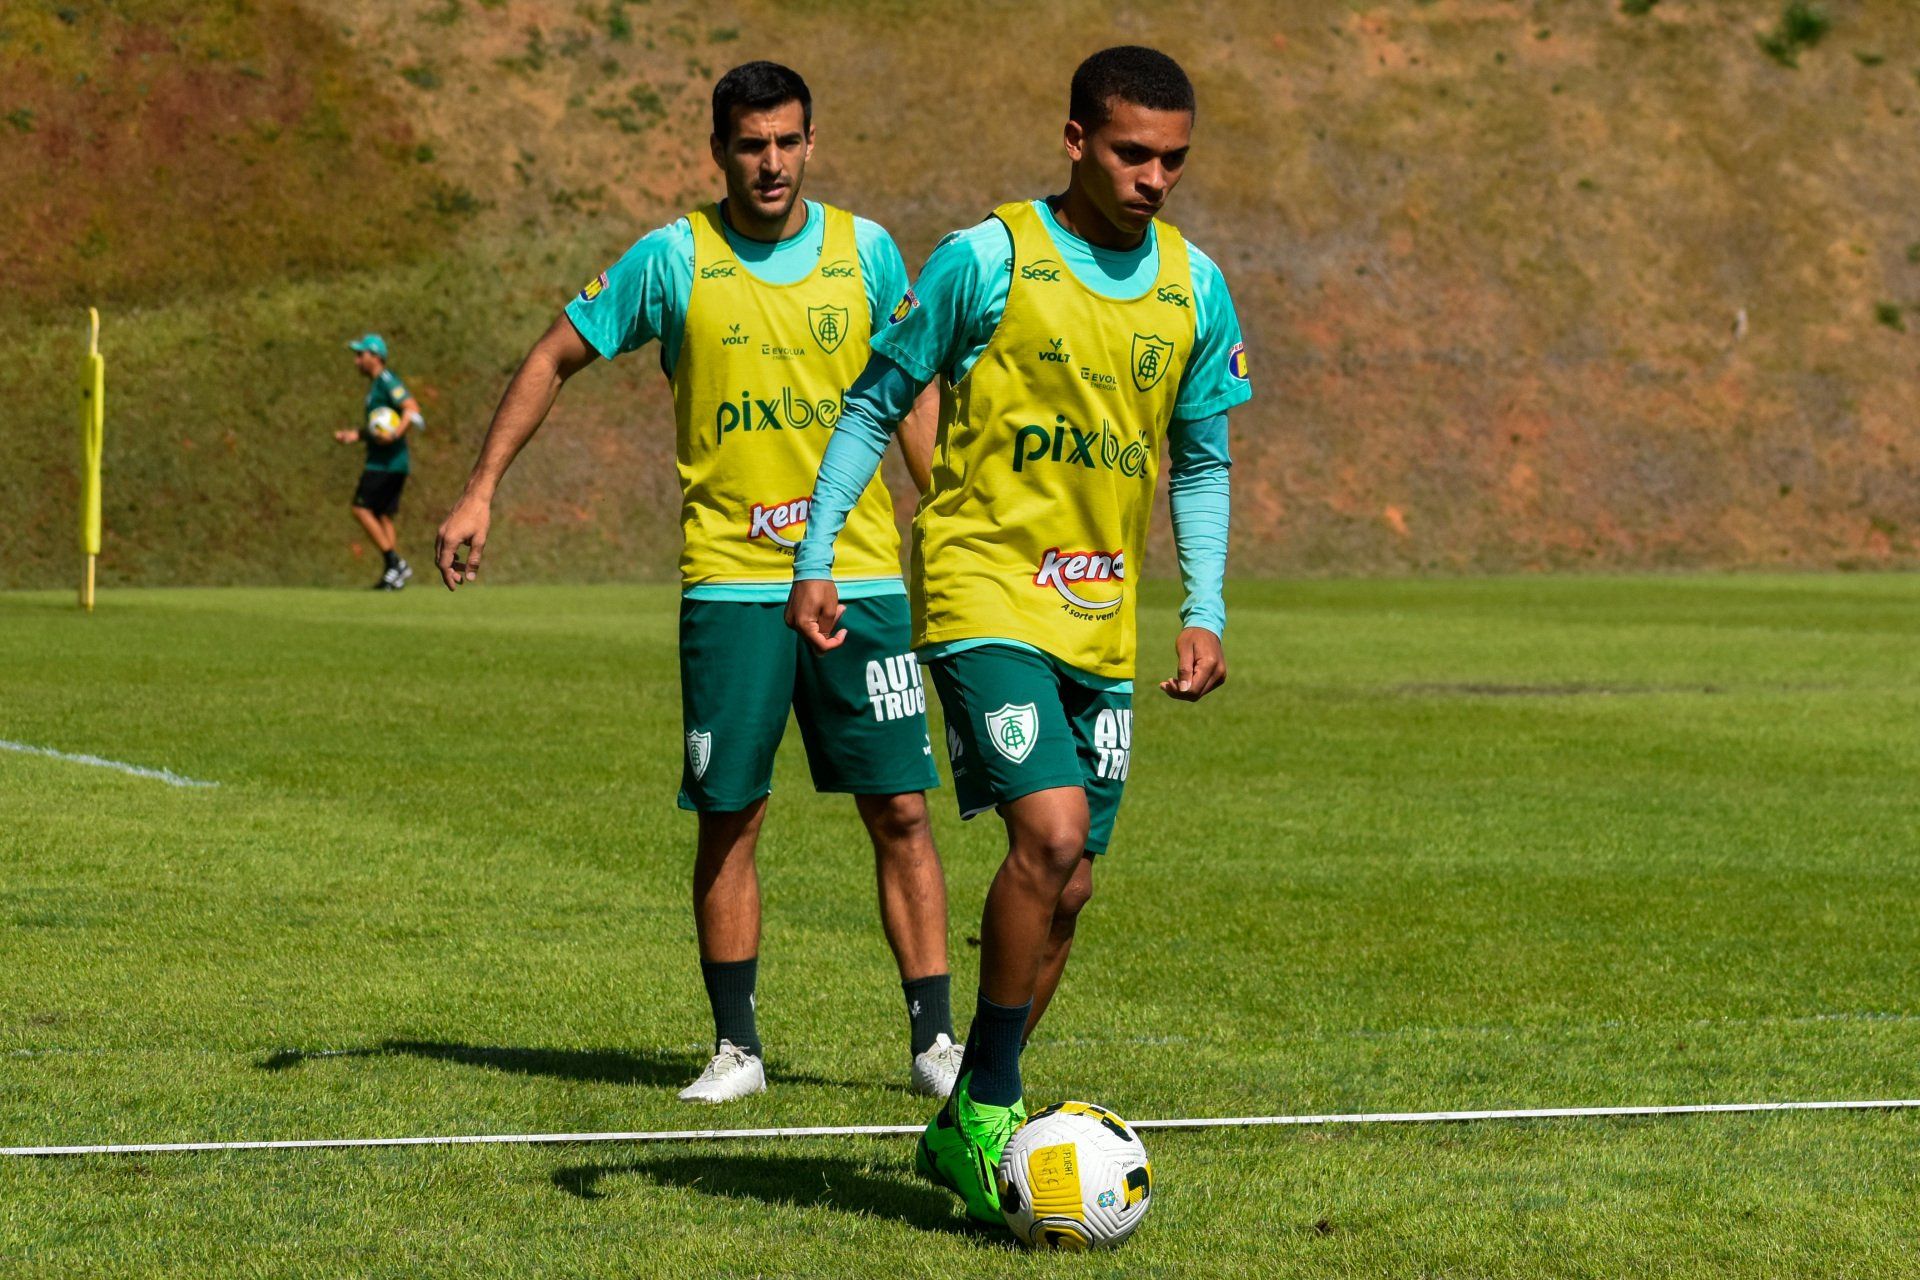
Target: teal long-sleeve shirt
(1197,487)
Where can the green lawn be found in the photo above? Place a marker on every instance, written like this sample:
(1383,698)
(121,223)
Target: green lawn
(1492,843)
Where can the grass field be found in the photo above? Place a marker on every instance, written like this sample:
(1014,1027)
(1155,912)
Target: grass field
(1465,844)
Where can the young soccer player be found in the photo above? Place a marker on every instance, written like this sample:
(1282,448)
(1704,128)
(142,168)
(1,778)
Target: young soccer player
(1072,336)
(376,499)
(762,305)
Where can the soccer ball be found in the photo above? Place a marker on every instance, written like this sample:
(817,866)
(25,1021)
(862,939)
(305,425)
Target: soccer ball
(383,424)
(1074,1177)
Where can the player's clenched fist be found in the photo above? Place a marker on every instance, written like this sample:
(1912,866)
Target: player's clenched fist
(465,526)
(1203,666)
(814,610)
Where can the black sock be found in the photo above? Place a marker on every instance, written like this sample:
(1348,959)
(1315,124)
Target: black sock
(393,559)
(929,1009)
(993,1052)
(730,992)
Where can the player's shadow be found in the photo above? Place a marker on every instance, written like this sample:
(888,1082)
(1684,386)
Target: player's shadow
(791,1181)
(596,1066)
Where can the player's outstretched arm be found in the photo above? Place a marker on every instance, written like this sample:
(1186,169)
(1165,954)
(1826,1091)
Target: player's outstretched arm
(881,396)
(559,354)
(1198,493)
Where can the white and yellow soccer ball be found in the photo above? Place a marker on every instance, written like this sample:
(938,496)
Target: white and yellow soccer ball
(383,424)
(1075,1176)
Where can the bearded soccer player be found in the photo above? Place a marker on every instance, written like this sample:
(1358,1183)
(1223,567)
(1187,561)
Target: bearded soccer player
(762,305)
(1072,336)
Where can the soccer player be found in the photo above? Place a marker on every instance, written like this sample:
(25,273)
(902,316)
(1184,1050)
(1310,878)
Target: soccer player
(1072,336)
(376,499)
(762,305)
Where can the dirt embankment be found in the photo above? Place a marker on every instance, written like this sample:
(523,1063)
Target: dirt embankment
(1525,285)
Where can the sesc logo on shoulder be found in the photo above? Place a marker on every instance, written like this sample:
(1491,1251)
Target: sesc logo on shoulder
(1046,270)
(718,271)
(1012,730)
(838,269)
(1173,293)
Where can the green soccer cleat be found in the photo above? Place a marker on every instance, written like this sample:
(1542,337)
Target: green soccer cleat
(961,1150)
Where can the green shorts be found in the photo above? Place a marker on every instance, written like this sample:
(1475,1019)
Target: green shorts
(1018,722)
(862,707)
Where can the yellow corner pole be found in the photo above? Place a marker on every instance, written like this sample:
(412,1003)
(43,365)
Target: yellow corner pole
(93,427)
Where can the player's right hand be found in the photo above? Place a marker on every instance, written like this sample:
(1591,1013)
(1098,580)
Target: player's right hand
(814,610)
(465,526)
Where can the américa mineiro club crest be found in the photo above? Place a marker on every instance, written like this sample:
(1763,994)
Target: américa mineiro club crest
(1151,356)
(829,325)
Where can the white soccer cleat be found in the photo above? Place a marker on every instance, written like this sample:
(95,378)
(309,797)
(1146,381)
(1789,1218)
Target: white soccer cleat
(935,1070)
(734,1073)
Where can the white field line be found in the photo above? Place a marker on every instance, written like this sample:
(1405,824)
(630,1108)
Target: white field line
(906,1130)
(139,771)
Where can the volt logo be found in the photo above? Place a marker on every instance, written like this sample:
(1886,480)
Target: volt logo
(1056,352)
(1098,573)
(734,337)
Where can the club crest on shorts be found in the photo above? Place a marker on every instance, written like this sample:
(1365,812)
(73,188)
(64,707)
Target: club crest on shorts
(1151,356)
(1012,730)
(699,753)
(829,325)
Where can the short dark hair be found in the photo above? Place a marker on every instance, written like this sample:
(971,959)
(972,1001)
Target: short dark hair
(1132,73)
(758,86)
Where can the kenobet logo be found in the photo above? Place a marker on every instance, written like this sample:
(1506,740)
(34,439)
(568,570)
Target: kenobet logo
(1097,573)
(775,522)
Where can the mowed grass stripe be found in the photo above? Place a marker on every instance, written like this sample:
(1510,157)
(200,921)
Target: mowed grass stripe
(1494,843)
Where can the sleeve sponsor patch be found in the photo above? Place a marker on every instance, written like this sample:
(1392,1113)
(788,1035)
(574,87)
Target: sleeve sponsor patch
(1237,361)
(905,308)
(594,287)
(398,391)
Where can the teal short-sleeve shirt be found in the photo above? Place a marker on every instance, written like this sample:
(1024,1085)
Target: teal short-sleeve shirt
(386,391)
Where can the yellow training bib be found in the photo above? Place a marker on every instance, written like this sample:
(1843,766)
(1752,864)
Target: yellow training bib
(1048,451)
(761,379)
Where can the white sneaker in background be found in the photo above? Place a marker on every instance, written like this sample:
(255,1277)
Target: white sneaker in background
(935,1069)
(733,1073)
